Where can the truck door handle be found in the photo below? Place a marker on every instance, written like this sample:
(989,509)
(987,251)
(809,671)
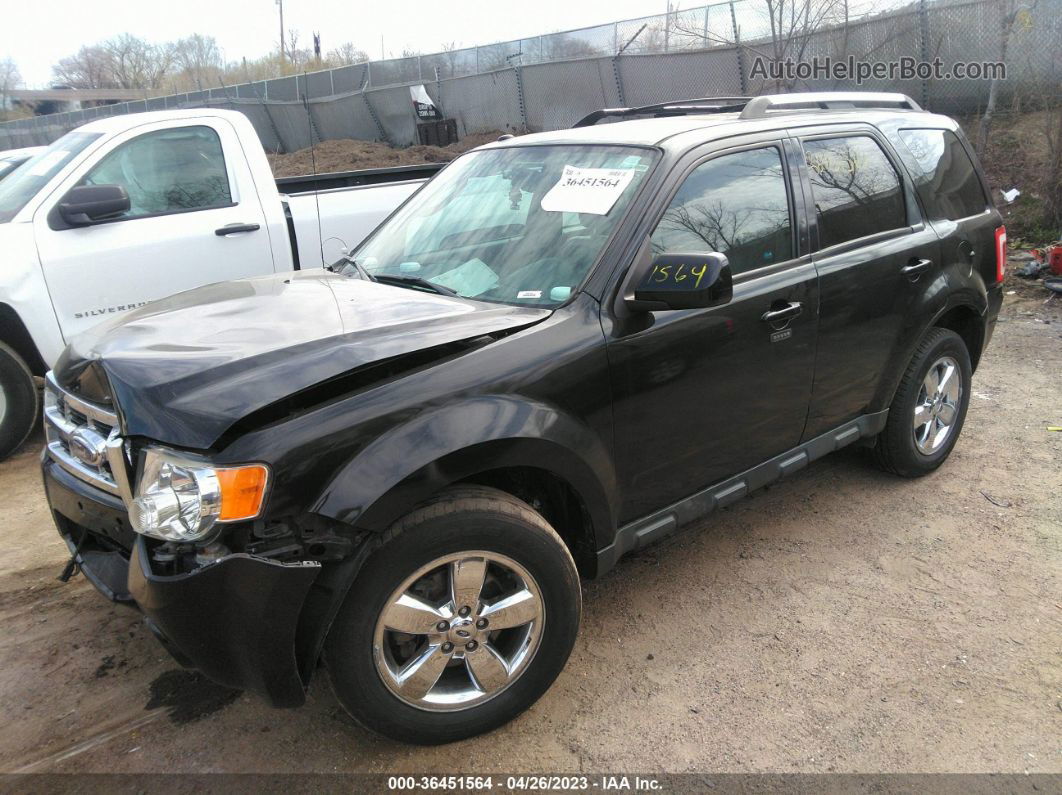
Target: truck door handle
(787,312)
(916,267)
(232,229)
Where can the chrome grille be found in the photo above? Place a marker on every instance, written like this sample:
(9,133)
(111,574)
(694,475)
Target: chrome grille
(83,439)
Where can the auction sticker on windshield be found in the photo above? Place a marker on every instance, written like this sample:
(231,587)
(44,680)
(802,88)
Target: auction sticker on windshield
(587,190)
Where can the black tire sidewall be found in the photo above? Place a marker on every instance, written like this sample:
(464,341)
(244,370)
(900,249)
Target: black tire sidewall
(907,458)
(22,399)
(348,651)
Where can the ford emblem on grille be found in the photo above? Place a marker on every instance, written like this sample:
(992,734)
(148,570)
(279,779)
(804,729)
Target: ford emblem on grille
(88,446)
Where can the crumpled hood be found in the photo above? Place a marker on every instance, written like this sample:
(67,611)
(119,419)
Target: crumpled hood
(182,370)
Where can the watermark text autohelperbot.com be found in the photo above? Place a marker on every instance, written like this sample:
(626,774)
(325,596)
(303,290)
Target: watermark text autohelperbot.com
(852,69)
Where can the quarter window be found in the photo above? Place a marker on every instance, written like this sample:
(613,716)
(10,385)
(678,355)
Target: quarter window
(856,190)
(735,204)
(947,181)
(167,171)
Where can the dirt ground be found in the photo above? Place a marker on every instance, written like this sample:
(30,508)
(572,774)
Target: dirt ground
(843,620)
(349,155)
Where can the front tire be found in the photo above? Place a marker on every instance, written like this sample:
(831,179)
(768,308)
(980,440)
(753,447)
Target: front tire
(19,401)
(929,408)
(458,622)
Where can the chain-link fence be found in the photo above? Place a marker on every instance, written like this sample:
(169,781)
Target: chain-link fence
(548,82)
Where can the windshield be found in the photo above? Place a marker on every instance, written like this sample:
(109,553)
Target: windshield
(515,225)
(23,183)
(7,166)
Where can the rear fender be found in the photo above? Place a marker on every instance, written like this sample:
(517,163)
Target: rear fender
(935,306)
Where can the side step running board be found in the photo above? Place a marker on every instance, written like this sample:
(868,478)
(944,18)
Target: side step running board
(662,523)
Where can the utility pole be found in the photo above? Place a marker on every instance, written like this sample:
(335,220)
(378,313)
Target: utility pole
(283,53)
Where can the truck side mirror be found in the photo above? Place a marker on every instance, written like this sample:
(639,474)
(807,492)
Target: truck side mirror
(685,281)
(89,204)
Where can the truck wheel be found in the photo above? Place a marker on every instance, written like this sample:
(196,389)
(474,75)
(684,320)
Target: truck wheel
(458,622)
(19,401)
(929,408)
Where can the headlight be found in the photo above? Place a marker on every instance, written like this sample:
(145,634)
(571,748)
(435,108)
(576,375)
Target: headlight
(181,498)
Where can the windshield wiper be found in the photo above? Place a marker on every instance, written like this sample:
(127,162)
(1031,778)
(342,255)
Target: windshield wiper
(361,269)
(414,281)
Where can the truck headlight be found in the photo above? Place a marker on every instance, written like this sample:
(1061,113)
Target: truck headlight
(180,498)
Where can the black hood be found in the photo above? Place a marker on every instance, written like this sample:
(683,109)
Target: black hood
(182,370)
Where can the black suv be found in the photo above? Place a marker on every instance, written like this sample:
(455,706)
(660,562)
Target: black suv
(563,347)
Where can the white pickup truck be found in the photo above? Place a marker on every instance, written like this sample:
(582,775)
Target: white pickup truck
(129,209)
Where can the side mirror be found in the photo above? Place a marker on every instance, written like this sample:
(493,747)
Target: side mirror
(89,204)
(685,281)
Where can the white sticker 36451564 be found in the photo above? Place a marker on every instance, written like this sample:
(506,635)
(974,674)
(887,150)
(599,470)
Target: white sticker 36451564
(587,190)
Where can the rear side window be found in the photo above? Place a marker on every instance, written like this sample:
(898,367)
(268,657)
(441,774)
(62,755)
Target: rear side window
(734,204)
(167,171)
(856,190)
(948,183)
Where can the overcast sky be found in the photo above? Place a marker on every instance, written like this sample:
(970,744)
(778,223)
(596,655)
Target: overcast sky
(37,34)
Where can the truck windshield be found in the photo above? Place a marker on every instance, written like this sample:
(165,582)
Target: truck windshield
(517,225)
(23,183)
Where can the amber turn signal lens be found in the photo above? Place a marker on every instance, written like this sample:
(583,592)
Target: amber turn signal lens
(242,491)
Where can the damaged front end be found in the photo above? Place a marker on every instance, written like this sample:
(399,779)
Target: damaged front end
(229,598)
(234,619)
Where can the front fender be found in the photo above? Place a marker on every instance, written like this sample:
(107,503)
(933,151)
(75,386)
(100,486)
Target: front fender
(414,461)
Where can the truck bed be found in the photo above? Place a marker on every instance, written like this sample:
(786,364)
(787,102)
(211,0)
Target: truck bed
(332,213)
(350,179)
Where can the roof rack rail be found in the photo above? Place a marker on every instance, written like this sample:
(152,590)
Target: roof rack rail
(760,107)
(680,107)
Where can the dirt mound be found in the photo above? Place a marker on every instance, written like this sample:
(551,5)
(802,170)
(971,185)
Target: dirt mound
(349,155)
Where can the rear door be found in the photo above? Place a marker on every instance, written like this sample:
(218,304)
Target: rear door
(875,258)
(953,198)
(187,182)
(702,394)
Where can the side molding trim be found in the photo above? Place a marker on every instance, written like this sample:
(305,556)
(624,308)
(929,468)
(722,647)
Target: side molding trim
(664,522)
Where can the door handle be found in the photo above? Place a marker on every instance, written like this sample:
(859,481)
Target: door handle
(232,229)
(787,312)
(916,267)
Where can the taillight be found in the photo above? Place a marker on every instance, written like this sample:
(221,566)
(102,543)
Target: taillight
(1001,252)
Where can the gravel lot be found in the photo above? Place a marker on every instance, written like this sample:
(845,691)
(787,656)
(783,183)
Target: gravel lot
(843,620)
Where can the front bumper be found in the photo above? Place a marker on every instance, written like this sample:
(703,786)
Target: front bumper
(235,620)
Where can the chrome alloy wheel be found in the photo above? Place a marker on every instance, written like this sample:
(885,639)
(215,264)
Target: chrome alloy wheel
(459,631)
(937,406)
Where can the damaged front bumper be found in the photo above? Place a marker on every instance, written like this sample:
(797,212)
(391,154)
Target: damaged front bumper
(235,619)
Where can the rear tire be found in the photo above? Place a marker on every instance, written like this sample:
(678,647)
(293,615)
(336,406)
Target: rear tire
(929,408)
(491,600)
(19,401)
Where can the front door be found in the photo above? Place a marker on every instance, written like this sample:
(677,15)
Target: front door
(182,190)
(703,394)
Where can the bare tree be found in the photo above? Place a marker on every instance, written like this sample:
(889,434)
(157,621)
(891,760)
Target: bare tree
(125,61)
(1009,13)
(791,23)
(199,60)
(89,67)
(10,78)
(136,63)
(345,54)
(291,50)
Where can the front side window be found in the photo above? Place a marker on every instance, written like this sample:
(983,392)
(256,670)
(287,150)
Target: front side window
(856,190)
(519,225)
(948,183)
(734,204)
(167,171)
